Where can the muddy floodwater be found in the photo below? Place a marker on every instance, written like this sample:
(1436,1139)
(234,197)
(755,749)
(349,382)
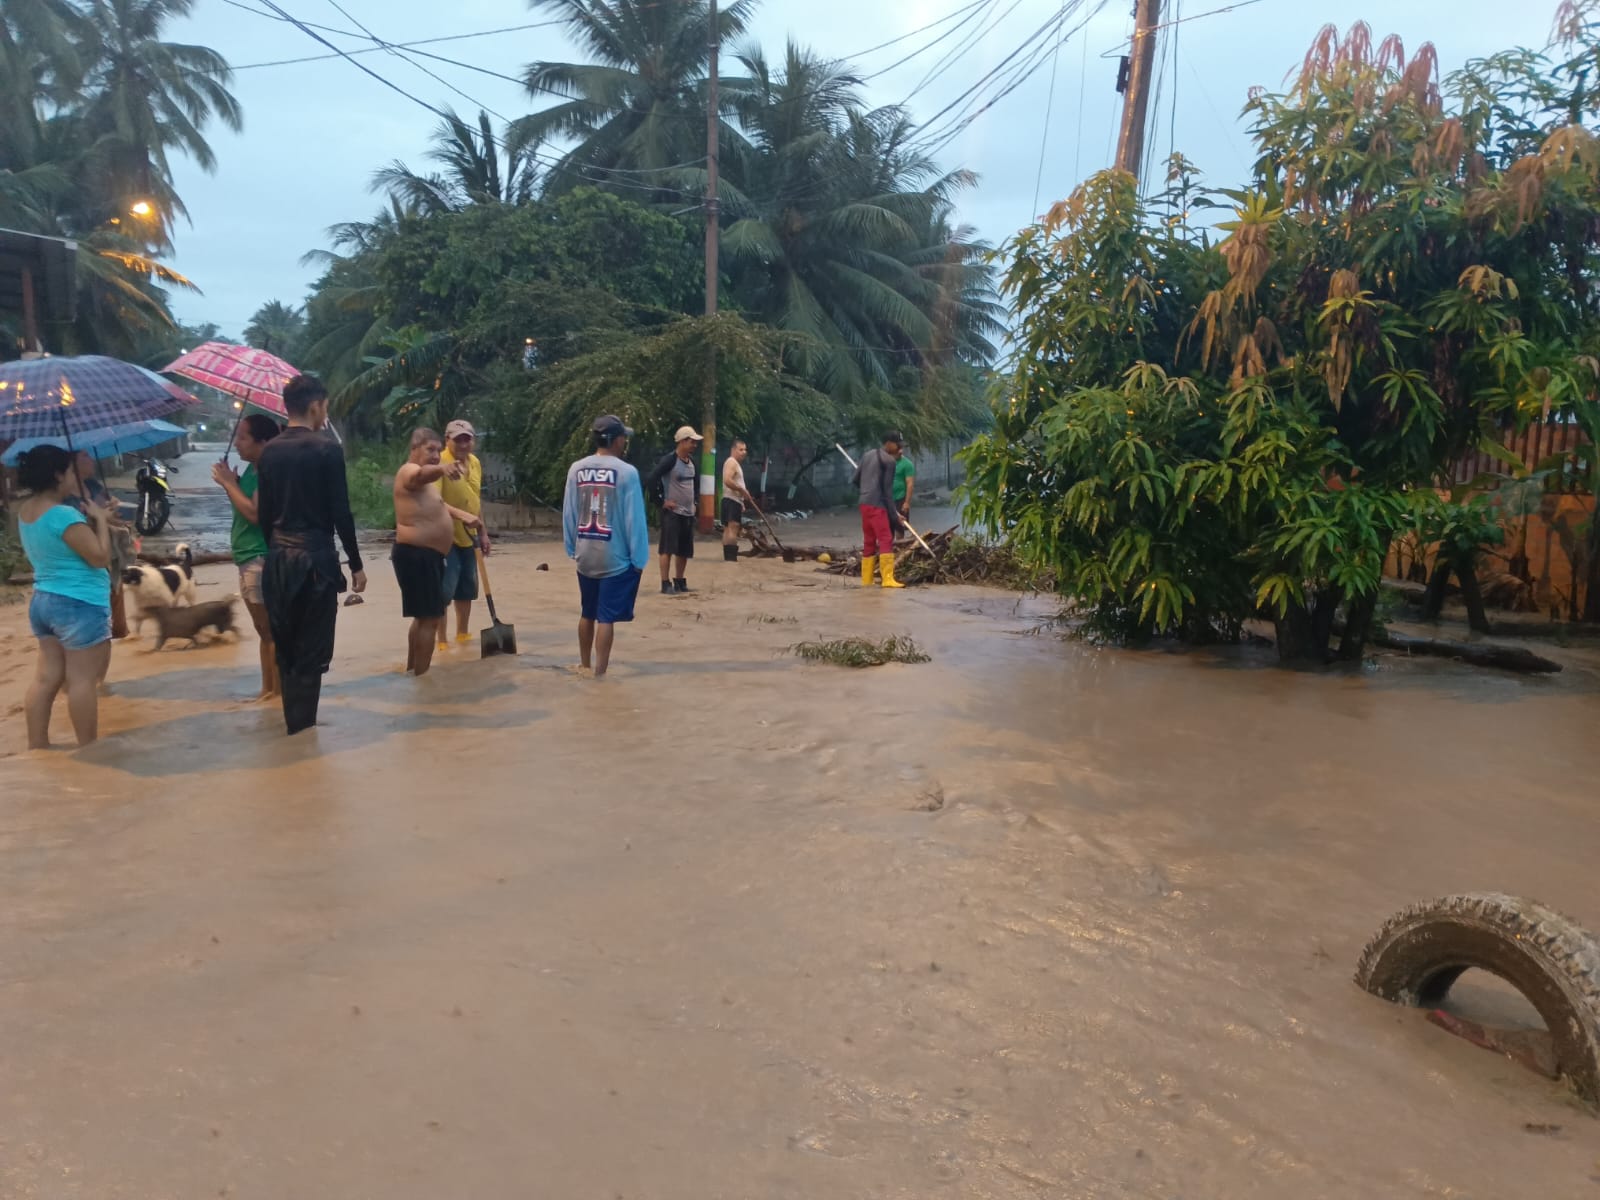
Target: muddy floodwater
(1032,919)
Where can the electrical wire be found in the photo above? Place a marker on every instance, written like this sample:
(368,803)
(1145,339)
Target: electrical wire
(1003,64)
(442,114)
(908,36)
(942,137)
(1044,136)
(975,12)
(1083,93)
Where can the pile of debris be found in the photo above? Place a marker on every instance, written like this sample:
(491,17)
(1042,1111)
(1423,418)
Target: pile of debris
(956,559)
(946,558)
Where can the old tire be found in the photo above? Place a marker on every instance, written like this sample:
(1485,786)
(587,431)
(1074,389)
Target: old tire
(1549,958)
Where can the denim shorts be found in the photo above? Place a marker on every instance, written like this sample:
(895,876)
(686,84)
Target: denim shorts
(461,573)
(77,625)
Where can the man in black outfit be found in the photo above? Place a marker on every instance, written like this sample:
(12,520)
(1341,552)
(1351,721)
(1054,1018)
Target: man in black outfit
(301,500)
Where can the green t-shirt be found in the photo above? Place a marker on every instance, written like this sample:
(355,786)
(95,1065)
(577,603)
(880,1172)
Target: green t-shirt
(247,540)
(904,469)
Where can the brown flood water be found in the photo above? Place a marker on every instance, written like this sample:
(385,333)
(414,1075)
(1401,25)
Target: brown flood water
(1033,919)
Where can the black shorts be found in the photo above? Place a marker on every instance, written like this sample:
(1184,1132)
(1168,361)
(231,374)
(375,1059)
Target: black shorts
(732,511)
(677,535)
(420,573)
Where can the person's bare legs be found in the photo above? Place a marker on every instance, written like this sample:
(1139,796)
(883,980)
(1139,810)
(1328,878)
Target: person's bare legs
(423,634)
(681,564)
(585,642)
(463,622)
(666,568)
(604,635)
(41,696)
(269,657)
(85,669)
(730,533)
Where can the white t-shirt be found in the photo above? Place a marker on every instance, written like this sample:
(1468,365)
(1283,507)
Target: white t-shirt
(733,480)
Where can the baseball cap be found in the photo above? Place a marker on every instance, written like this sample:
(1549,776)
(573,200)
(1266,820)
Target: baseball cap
(894,436)
(610,426)
(687,431)
(459,429)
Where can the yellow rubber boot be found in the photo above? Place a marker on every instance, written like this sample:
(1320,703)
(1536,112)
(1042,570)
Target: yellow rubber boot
(867,563)
(886,569)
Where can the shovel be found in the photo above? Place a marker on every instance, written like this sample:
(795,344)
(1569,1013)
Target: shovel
(788,554)
(499,638)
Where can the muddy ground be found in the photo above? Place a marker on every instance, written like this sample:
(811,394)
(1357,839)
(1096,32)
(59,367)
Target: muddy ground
(1033,919)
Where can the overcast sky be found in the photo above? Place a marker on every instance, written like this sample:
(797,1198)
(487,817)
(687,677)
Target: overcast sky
(314,132)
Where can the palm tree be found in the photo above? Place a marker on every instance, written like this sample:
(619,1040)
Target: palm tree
(151,96)
(278,328)
(472,172)
(842,232)
(640,105)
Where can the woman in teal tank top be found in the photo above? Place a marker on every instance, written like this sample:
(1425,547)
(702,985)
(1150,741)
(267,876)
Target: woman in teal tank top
(70,612)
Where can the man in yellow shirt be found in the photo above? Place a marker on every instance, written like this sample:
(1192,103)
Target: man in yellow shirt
(462,487)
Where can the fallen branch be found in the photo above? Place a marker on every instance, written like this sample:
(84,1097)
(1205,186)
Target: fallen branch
(25,578)
(1478,654)
(170,560)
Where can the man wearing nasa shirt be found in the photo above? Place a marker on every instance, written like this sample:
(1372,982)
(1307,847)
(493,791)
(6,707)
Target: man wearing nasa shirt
(603,523)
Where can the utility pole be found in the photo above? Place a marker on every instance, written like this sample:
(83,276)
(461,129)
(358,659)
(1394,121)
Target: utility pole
(1136,100)
(708,422)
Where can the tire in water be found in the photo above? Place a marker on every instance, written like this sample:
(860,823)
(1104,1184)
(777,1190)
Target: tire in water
(1419,954)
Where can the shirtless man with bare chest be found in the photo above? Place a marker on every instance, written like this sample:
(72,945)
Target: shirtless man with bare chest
(423,536)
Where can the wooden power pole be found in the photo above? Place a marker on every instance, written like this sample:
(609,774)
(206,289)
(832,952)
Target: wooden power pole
(708,422)
(1136,100)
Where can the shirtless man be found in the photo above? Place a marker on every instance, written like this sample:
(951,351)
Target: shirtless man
(423,536)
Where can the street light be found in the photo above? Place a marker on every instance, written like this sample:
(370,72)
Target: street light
(142,208)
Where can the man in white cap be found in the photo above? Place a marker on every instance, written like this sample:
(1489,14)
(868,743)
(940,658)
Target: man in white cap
(673,482)
(462,488)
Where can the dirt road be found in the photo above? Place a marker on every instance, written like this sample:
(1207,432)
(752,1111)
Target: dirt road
(1030,920)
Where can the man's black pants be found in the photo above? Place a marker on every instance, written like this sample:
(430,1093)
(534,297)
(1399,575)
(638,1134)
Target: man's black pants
(301,588)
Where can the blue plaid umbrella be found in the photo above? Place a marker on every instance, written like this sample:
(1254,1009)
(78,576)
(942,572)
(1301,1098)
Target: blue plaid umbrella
(58,397)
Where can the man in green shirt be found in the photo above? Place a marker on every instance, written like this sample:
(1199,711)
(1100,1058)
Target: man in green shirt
(905,482)
(247,540)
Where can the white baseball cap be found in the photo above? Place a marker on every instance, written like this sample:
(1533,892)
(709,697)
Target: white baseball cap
(687,433)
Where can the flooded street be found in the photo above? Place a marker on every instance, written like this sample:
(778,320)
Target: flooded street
(1033,919)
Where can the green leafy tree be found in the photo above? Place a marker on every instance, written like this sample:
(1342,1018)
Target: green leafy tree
(95,104)
(840,231)
(638,106)
(278,328)
(475,168)
(1198,434)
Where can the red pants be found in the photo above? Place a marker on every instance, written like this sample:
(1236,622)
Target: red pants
(877,535)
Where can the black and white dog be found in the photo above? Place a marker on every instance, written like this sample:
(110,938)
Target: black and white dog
(159,587)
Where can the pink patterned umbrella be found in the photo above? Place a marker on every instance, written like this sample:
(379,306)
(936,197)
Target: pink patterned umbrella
(247,374)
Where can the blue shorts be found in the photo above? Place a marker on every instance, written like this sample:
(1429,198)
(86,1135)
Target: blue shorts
(76,624)
(461,573)
(610,600)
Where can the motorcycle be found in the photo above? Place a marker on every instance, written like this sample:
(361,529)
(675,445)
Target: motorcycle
(155,496)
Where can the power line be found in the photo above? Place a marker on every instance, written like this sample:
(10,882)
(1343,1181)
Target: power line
(1215,12)
(908,36)
(1083,92)
(972,13)
(481,106)
(956,126)
(1044,137)
(454,37)
(442,114)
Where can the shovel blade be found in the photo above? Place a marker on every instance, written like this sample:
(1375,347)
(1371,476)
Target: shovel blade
(498,639)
